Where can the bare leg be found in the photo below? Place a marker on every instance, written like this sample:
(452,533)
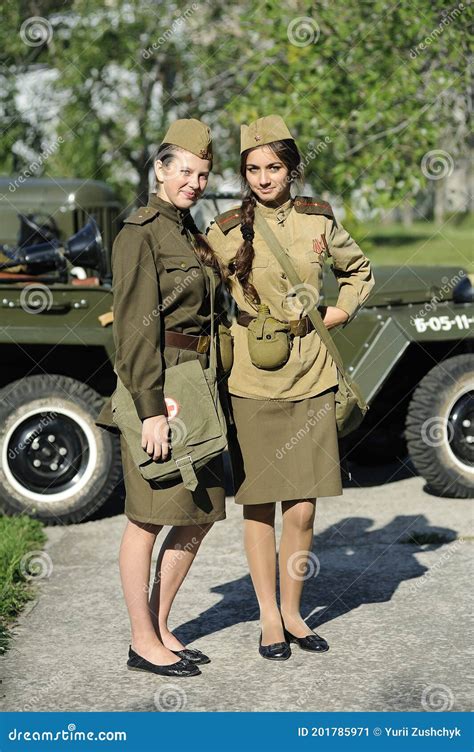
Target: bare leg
(135,561)
(174,561)
(259,539)
(295,546)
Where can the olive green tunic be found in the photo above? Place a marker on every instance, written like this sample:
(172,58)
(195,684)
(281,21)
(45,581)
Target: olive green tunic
(159,284)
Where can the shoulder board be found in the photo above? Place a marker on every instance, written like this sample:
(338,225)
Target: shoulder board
(229,219)
(142,215)
(310,205)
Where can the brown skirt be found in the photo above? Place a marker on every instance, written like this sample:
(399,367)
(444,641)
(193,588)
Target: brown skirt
(171,503)
(283,450)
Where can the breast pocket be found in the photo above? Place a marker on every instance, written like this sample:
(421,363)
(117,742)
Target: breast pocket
(181,269)
(182,278)
(310,266)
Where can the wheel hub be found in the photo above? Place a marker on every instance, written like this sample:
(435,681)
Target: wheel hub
(461,429)
(48,454)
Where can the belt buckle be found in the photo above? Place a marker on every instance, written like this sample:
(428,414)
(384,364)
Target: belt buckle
(203,343)
(301,328)
(186,460)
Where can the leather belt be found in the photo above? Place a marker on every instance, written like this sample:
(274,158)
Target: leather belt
(298,327)
(198,343)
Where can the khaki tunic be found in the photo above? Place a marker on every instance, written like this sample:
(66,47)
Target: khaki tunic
(307,229)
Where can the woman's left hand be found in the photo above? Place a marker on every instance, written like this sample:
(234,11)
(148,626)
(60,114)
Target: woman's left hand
(333,316)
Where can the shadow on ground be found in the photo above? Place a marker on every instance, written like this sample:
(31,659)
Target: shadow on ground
(351,566)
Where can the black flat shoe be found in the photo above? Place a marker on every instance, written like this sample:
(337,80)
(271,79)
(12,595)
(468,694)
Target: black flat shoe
(181,668)
(313,642)
(277,651)
(192,655)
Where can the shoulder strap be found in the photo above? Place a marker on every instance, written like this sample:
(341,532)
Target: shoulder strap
(310,205)
(275,247)
(142,216)
(229,219)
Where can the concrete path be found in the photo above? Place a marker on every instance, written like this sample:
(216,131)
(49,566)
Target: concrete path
(390,591)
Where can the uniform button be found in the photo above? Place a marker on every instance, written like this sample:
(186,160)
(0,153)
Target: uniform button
(183,264)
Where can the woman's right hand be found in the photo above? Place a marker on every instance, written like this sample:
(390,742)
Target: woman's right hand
(155,437)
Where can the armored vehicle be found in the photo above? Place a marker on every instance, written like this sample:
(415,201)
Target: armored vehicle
(410,349)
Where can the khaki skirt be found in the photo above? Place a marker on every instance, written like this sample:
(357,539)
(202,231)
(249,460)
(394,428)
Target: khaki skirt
(283,450)
(171,503)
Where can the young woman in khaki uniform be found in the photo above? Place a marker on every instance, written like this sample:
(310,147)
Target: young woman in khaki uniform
(161,318)
(284,448)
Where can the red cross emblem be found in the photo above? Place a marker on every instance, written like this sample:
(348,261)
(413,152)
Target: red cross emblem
(172,407)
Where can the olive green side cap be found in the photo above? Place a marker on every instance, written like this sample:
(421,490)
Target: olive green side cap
(263,131)
(192,135)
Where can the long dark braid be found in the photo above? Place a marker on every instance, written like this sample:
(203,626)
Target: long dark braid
(246,252)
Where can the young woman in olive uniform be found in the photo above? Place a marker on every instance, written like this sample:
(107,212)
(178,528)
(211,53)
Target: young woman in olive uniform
(285,445)
(161,318)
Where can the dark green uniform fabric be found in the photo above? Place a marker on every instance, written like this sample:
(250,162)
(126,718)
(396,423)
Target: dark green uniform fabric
(159,284)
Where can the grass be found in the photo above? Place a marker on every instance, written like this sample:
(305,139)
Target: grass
(423,243)
(18,536)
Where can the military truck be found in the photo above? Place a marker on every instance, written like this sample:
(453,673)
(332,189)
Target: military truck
(410,349)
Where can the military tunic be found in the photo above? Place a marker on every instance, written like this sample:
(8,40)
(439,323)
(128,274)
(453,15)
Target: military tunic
(271,408)
(159,284)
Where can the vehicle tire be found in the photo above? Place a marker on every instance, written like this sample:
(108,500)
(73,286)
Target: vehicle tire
(440,427)
(56,464)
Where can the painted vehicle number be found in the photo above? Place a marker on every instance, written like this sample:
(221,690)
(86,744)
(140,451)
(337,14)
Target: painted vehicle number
(443,323)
